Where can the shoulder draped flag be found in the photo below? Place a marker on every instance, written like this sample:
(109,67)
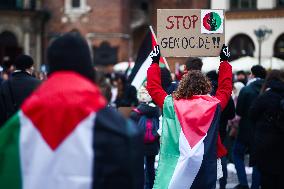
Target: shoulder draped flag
(52,147)
(188,157)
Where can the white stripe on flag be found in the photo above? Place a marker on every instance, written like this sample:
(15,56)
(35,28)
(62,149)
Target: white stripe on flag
(142,73)
(70,166)
(188,164)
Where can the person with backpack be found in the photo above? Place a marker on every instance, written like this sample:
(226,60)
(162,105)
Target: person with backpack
(146,115)
(17,88)
(267,113)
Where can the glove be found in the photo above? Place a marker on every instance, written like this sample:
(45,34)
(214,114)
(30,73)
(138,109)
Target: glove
(224,54)
(155,54)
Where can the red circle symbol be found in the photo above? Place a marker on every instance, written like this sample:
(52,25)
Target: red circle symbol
(205,23)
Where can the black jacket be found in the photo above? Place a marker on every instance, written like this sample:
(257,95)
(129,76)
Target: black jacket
(228,113)
(246,97)
(149,112)
(14,91)
(269,129)
(118,152)
(117,144)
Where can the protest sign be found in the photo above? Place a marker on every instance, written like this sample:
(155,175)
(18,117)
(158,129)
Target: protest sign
(190,32)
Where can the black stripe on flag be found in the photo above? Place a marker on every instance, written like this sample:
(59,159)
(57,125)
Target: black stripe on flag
(143,53)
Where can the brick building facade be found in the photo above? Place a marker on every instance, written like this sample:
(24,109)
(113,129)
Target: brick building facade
(114,29)
(101,22)
(21,26)
(119,23)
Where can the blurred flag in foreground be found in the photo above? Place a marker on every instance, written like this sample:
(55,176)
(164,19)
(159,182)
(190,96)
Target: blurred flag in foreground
(51,147)
(143,61)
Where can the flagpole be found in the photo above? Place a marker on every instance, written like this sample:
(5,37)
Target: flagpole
(152,31)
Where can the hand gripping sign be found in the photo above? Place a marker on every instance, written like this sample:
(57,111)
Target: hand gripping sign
(190,32)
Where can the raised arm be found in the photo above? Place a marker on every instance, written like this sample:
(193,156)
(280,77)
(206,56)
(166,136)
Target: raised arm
(154,86)
(224,90)
(225,77)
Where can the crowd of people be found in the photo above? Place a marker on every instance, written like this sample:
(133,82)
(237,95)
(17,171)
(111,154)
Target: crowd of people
(241,114)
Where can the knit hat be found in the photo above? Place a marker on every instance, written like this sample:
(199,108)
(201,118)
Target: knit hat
(23,62)
(70,52)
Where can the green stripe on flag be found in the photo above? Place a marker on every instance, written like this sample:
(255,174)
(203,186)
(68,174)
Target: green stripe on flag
(169,153)
(162,65)
(10,171)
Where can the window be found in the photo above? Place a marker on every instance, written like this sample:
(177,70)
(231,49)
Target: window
(76,3)
(105,55)
(76,8)
(241,45)
(33,4)
(280,3)
(243,4)
(279,47)
(9,48)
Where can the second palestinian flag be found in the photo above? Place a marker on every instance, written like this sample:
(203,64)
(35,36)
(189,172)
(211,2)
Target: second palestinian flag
(143,61)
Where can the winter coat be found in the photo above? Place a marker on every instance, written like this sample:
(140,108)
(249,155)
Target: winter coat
(150,112)
(68,105)
(223,92)
(246,97)
(14,91)
(172,87)
(269,130)
(188,122)
(228,113)
(118,152)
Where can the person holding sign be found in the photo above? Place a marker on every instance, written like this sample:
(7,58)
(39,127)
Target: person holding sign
(190,126)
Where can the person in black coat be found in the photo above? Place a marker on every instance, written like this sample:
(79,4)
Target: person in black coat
(151,111)
(227,114)
(126,94)
(17,88)
(117,143)
(167,82)
(267,113)
(244,140)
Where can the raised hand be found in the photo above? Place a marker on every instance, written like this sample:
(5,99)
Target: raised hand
(155,54)
(224,54)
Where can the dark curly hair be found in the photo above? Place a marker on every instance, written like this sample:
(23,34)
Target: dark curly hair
(192,83)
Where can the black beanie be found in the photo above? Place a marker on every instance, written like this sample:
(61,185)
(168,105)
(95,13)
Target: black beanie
(23,62)
(70,52)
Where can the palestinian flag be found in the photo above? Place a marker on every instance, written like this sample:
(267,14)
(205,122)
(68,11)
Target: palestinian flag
(188,156)
(143,61)
(48,144)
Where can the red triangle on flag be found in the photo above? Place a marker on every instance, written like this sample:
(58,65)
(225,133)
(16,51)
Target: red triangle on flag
(194,119)
(60,104)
